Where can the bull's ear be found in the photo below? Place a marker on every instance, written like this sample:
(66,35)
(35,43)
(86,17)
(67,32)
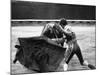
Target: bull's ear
(17,46)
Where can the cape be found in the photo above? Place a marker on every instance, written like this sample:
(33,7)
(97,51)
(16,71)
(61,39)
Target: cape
(40,53)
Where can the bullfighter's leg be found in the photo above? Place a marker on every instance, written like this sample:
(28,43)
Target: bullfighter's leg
(82,61)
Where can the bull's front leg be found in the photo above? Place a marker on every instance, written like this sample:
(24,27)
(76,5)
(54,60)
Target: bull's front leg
(18,52)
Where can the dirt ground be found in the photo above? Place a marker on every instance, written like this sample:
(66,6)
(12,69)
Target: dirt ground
(85,37)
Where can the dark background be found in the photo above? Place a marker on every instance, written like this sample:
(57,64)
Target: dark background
(40,10)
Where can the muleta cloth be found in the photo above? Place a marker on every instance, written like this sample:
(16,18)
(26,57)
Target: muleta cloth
(40,54)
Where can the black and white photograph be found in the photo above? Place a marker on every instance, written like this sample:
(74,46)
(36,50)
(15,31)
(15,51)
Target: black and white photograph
(52,37)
